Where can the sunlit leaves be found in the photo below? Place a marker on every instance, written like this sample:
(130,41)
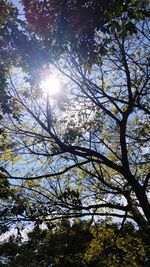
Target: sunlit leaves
(112,249)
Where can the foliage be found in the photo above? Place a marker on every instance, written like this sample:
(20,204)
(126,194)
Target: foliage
(83,152)
(110,248)
(77,244)
(62,24)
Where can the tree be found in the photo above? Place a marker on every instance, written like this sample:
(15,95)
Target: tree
(63,22)
(112,247)
(78,244)
(84,151)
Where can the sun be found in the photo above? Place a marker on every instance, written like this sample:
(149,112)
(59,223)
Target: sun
(51,85)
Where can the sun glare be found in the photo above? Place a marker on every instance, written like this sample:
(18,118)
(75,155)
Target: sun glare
(50,85)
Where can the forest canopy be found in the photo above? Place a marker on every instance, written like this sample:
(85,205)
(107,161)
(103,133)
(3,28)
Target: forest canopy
(81,151)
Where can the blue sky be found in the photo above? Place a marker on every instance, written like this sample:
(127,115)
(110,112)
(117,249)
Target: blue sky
(18,5)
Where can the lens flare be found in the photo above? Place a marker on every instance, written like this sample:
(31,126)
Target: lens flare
(51,85)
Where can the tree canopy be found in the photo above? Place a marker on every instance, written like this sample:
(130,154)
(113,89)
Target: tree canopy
(77,244)
(84,151)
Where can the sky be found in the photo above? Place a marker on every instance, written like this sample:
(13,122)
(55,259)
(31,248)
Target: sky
(19,6)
